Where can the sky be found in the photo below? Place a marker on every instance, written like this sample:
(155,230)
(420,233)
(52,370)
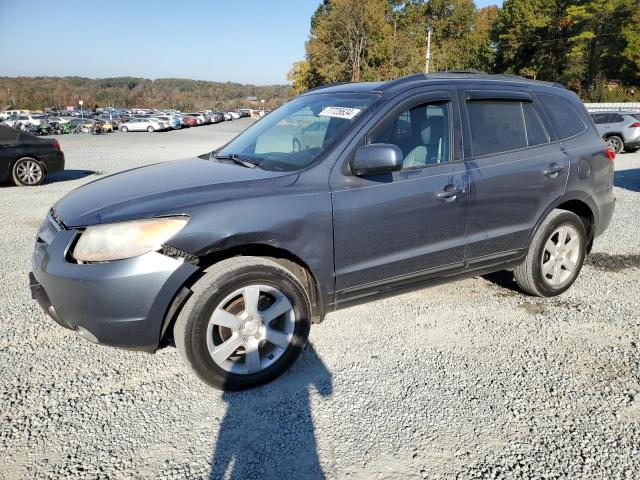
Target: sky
(246,41)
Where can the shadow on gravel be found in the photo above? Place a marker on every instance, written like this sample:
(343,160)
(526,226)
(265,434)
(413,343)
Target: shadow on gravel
(268,432)
(613,263)
(503,279)
(67,175)
(627,179)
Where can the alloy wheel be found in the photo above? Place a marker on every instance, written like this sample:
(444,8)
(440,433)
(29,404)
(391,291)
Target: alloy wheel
(250,329)
(29,172)
(561,256)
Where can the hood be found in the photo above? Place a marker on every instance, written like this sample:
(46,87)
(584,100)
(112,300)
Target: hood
(164,189)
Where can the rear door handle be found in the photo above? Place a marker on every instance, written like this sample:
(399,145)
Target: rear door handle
(553,170)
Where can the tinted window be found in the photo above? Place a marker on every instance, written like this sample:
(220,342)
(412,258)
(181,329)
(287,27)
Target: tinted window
(536,133)
(422,133)
(496,126)
(564,117)
(600,118)
(615,118)
(7,135)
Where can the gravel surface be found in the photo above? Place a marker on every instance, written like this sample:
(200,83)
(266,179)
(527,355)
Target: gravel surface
(466,380)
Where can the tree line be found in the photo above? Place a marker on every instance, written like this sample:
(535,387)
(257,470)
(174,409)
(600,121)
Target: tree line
(37,93)
(591,46)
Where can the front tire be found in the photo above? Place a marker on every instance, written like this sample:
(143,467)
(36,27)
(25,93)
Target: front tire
(28,172)
(245,324)
(150,129)
(124,129)
(555,256)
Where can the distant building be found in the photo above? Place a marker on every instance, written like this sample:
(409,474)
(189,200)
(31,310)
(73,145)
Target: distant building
(252,99)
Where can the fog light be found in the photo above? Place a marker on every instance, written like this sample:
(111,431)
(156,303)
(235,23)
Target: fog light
(86,334)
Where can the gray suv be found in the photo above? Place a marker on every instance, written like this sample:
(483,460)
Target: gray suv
(233,255)
(621,130)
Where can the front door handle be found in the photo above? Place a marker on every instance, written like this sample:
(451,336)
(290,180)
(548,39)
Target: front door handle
(449,193)
(553,170)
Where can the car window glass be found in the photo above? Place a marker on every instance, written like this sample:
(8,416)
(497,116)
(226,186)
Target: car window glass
(599,118)
(422,133)
(617,118)
(496,126)
(536,133)
(283,141)
(7,135)
(565,118)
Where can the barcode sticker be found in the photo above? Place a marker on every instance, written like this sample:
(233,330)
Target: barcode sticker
(340,112)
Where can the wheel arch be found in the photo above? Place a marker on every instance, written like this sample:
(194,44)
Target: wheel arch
(281,256)
(613,134)
(579,205)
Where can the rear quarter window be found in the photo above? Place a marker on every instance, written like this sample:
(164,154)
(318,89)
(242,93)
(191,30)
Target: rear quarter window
(564,117)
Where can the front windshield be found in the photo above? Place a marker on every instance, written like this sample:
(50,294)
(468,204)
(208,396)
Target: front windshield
(294,135)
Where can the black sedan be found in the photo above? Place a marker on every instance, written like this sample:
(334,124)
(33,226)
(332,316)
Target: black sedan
(25,159)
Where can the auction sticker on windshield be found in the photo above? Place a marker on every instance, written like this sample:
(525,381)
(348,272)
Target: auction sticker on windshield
(340,112)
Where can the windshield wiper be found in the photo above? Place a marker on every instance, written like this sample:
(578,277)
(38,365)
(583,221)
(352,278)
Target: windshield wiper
(234,157)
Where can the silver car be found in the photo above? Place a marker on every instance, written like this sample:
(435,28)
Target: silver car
(621,130)
(142,124)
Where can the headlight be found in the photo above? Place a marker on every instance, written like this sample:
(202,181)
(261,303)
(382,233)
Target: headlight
(116,241)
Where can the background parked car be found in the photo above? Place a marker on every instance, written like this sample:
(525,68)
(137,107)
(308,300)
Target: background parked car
(142,124)
(26,159)
(621,130)
(25,118)
(172,121)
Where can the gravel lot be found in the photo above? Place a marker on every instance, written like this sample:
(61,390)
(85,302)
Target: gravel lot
(466,380)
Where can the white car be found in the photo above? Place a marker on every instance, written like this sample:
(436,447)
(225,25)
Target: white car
(142,124)
(26,118)
(235,115)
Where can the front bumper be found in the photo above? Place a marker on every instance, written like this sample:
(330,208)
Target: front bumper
(121,303)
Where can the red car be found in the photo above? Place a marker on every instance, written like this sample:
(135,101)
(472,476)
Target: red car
(190,121)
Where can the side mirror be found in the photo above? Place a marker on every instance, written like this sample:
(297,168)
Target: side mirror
(377,159)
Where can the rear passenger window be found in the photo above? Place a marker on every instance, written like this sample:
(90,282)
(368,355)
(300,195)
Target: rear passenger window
(496,126)
(7,135)
(616,118)
(599,118)
(565,118)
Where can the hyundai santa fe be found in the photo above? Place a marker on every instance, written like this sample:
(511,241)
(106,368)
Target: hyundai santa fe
(407,183)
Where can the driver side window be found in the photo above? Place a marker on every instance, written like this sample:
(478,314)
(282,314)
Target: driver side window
(422,133)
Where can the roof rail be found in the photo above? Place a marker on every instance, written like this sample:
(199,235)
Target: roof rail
(327,85)
(401,80)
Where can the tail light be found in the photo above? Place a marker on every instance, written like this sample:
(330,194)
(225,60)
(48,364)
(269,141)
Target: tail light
(610,154)
(637,124)
(56,145)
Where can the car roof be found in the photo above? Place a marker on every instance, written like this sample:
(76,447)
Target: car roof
(427,78)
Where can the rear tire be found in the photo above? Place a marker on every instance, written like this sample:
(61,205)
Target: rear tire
(616,143)
(555,256)
(150,129)
(124,129)
(27,172)
(225,332)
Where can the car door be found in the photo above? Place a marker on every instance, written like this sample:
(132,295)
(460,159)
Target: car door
(516,172)
(402,227)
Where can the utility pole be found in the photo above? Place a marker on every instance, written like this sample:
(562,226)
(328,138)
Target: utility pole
(426,68)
